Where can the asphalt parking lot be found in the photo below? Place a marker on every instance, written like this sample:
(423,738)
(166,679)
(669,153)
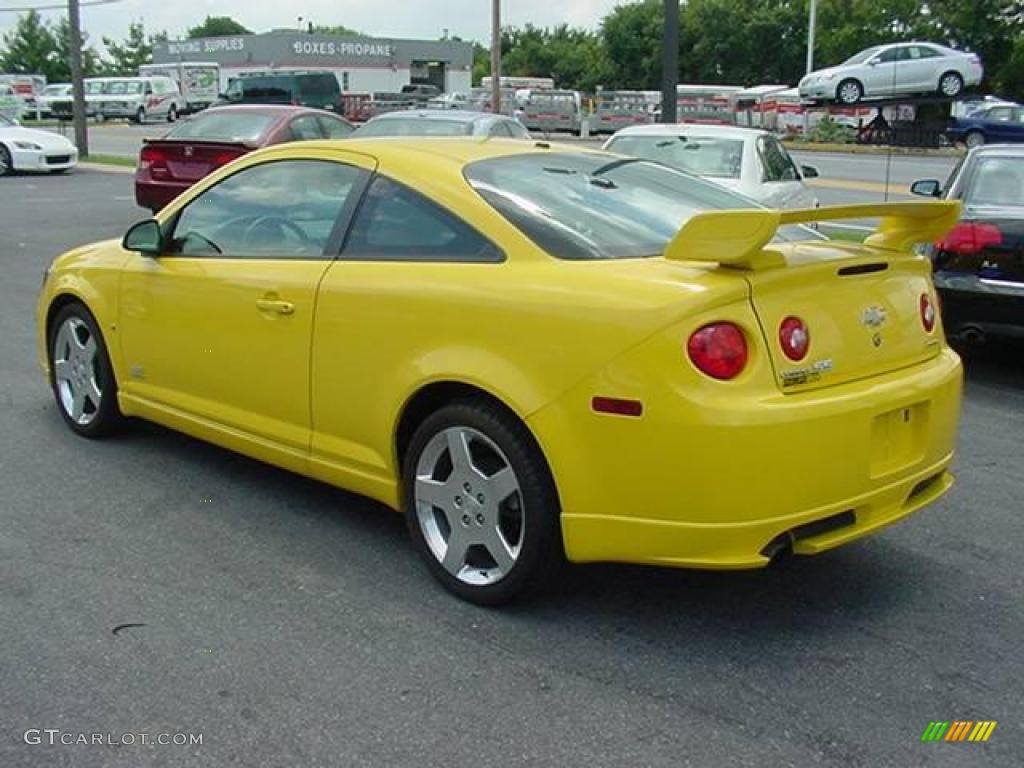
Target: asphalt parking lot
(290,623)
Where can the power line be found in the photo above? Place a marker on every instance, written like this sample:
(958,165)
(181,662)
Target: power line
(55,6)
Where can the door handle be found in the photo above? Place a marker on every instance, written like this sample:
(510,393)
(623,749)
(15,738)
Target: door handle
(275,305)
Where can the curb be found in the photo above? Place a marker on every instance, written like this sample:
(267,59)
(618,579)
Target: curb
(106,167)
(861,149)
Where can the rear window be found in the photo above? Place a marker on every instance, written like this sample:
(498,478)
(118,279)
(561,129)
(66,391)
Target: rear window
(599,206)
(415,126)
(702,155)
(269,88)
(222,126)
(997,181)
(318,85)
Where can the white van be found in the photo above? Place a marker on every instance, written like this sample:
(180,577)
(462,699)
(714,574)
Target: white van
(198,81)
(141,99)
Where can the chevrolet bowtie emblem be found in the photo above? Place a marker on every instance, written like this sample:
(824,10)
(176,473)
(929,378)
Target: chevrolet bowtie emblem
(873,317)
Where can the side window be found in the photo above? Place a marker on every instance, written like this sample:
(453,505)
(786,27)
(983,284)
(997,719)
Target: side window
(924,52)
(893,54)
(394,223)
(278,210)
(501,129)
(305,127)
(778,165)
(333,128)
(1000,114)
(1020,115)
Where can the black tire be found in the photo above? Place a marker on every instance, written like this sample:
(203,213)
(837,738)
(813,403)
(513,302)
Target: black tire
(6,163)
(541,551)
(172,114)
(107,417)
(974,139)
(951,84)
(140,115)
(849,91)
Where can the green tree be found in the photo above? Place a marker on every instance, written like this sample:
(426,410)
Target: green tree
(215,26)
(631,38)
(337,30)
(61,71)
(30,48)
(134,50)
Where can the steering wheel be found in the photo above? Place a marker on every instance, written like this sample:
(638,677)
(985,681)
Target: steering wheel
(278,222)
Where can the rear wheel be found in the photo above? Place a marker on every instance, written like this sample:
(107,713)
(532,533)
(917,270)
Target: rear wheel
(80,373)
(140,115)
(6,164)
(951,84)
(974,139)
(480,503)
(849,92)
(172,114)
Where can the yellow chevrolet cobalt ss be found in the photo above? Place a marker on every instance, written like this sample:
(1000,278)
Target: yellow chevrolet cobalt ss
(536,353)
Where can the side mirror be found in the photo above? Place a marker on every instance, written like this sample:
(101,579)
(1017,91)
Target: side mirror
(144,237)
(926,188)
(873,63)
(809,171)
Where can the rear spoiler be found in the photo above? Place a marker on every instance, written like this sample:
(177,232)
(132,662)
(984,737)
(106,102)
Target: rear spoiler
(738,238)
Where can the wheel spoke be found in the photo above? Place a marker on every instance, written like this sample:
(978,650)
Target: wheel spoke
(62,370)
(432,492)
(458,450)
(93,394)
(455,554)
(76,343)
(77,403)
(503,484)
(89,349)
(496,547)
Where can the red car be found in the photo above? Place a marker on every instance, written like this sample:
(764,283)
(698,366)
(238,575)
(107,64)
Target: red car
(216,136)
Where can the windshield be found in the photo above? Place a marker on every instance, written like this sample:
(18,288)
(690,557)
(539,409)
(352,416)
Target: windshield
(596,205)
(222,126)
(415,126)
(701,155)
(861,57)
(119,87)
(56,90)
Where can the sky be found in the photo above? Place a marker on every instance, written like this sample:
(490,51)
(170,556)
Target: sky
(422,19)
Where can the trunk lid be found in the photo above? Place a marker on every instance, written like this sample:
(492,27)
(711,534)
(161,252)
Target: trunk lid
(188,160)
(988,245)
(861,308)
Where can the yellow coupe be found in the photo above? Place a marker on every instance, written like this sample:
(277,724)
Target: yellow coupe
(536,352)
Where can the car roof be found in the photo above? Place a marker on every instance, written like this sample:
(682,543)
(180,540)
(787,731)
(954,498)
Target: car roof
(1012,150)
(273,110)
(451,115)
(439,150)
(685,129)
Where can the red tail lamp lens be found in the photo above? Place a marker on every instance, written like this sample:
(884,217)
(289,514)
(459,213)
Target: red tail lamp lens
(719,350)
(969,237)
(928,312)
(794,338)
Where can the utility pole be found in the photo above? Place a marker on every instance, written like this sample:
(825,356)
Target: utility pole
(811,22)
(670,62)
(496,56)
(77,83)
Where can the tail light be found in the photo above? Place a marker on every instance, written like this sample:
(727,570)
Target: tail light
(928,312)
(718,350)
(225,157)
(794,338)
(969,237)
(154,158)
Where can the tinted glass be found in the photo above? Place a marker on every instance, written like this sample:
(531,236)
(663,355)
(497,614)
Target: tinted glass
(861,57)
(893,54)
(267,89)
(1000,114)
(333,128)
(702,155)
(415,126)
(924,52)
(305,127)
(394,223)
(596,205)
(997,181)
(223,126)
(280,210)
(318,86)
(778,165)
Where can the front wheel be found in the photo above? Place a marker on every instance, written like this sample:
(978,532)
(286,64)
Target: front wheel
(6,164)
(951,84)
(480,504)
(172,114)
(80,373)
(974,139)
(140,116)
(849,92)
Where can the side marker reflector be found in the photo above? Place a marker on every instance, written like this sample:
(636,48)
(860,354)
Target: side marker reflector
(617,406)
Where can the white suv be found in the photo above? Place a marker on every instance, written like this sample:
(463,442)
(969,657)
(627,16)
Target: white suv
(141,99)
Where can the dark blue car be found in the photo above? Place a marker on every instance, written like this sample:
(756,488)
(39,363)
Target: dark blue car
(998,124)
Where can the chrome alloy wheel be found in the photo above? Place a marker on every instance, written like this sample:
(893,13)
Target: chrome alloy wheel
(469,505)
(951,84)
(74,371)
(849,92)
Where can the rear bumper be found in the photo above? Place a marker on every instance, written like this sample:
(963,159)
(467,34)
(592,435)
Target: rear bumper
(154,195)
(990,304)
(722,482)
